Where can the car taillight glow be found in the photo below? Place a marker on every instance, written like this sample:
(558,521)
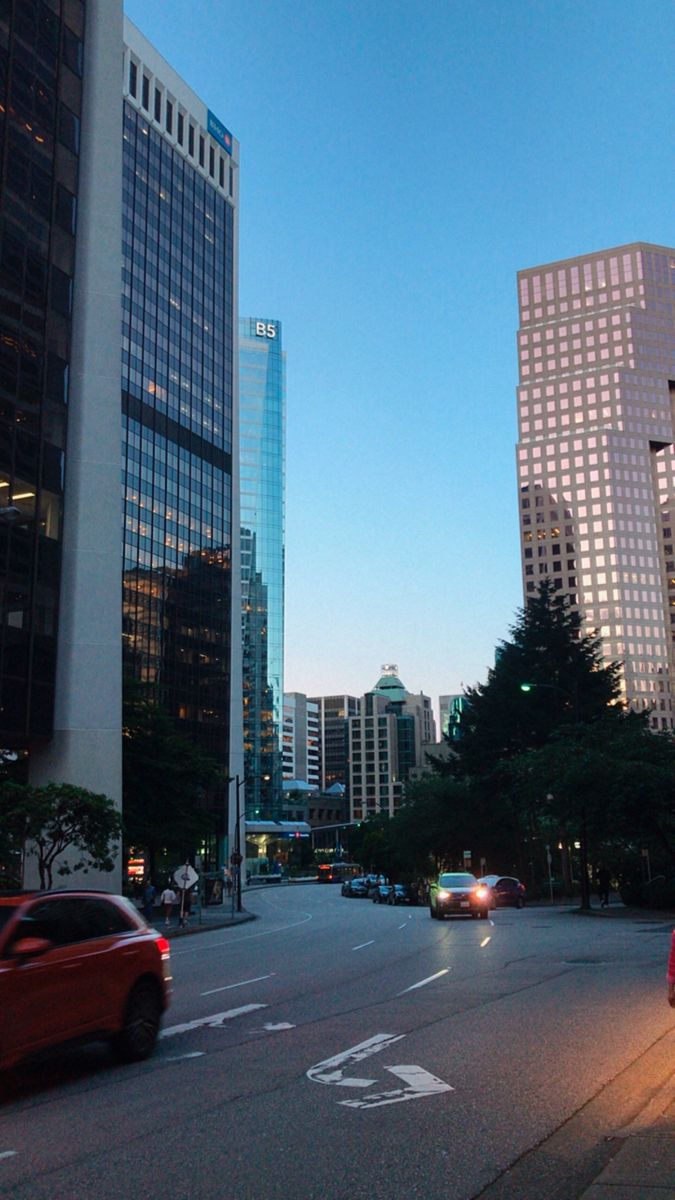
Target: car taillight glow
(163,946)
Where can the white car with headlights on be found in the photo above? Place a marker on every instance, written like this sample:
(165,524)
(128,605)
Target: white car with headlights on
(458,893)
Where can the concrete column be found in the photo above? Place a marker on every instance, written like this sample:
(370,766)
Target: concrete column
(86,748)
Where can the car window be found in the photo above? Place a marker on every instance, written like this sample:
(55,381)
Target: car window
(53,919)
(6,913)
(457,880)
(100,918)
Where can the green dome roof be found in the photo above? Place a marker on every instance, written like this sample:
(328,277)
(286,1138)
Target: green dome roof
(390,685)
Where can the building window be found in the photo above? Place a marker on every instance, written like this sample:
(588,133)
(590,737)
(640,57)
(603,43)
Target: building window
(191,141)
(201,151)
(169,117)
(145,96)
(221,178)
(158,104)
(181,129)
(133,79)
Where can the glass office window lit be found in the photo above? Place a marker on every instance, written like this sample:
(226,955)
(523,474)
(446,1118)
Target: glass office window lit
(177,387)
(262,467)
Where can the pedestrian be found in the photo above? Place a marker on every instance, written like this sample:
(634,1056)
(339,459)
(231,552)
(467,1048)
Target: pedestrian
(671,973)
(228,880)
(604,879)
(149,893)
(167,900)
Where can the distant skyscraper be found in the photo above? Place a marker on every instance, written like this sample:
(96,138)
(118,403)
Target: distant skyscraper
(181,607)
(385,744)
(334,713)
(262,430)
(596,465)
(452,709)
(301,739)
(60,166)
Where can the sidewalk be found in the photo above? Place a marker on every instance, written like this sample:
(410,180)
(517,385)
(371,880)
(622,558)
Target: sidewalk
(220,916)
(644,1166)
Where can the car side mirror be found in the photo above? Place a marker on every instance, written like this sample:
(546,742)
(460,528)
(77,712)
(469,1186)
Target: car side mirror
(30,947)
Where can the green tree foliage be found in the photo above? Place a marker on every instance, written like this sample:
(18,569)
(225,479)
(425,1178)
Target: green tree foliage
(57,818)
(569,685)
(166,779)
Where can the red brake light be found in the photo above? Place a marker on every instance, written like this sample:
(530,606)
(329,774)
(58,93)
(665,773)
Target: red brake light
(163,946)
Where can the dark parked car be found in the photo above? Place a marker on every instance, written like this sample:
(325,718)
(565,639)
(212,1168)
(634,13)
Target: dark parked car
(504,890)
(79,965)
(374,882)
(460,893)
(358,888)
(402,893)
(382,893)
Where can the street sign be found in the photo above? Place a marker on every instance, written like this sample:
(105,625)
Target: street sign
(185,877)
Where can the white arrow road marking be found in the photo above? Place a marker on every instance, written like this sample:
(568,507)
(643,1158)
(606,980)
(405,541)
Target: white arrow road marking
(370,943)
(420,1083)
(212,1022)
(282,1025)
(423,982)
(322,1073)
(228,986)
(7,1153)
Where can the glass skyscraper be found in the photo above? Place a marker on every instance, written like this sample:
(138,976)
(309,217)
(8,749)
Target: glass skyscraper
(180,453)
(262,401)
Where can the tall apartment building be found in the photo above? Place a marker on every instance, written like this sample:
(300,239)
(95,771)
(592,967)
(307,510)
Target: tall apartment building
(385,744)
(301,739)
(452,709)
(60,165)
(334,713)
(262,437)
(596,465)
(180,449)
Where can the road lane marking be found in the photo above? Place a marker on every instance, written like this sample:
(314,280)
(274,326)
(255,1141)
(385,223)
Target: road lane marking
(370,943)
(211,1022)
(181,1057)
(485,942)
(323,1072)
(423,982)
(246,937)
(419,1083)
(229,986)
(272,1028)
(404,924)
(7,1153)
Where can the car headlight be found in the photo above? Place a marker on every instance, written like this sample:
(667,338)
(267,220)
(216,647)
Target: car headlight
(443,895)
(481,893)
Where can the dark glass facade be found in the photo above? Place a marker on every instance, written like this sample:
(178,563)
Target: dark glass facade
(41,66)
(262,432)
(177,394)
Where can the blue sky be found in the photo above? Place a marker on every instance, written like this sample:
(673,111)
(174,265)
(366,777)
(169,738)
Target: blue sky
(400,163)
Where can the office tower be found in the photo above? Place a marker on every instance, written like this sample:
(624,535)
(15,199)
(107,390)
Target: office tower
(596,467)
(301,739)
(385,744)
(262,431)
(181,588)
(334,712)
(452,709)
(60,166)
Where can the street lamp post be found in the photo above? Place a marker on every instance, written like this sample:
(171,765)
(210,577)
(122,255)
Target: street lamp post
(583,841)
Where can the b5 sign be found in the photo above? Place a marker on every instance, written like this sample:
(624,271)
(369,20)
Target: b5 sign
(263,329)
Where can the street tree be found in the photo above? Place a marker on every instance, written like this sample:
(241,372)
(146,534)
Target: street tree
(57,818)
(568,684)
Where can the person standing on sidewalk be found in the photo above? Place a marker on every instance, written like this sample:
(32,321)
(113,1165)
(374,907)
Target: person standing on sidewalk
(167,900)
(671,973)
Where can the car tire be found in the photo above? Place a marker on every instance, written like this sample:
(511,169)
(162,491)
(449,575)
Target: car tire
(432,913)
(520,903)
(484,913)
(138,1035)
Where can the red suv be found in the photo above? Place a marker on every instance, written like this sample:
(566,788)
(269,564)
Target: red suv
(79,965)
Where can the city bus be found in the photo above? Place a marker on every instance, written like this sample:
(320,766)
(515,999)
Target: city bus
(337,872)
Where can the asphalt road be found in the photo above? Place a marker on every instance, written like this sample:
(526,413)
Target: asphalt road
(337,1048)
